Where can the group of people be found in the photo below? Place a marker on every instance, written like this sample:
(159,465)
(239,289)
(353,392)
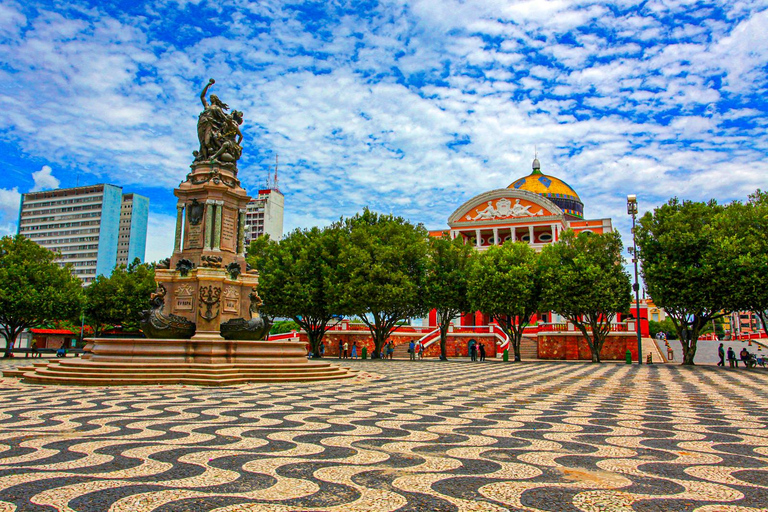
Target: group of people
(345,353)
(477,352)
(415,348)
(745,356)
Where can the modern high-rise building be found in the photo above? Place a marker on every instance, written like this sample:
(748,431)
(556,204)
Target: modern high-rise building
(92,228)
(132,237)
(264,215)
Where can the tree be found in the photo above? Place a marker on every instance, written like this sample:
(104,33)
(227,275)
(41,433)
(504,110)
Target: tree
(385,262)
(119,298)
(743,229)
(300,278)
(586,283)
(445,286)
(505,282)
(666,326)
(685,270)
(283,326)
(33,289)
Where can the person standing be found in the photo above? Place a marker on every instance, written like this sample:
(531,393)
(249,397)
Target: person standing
(322,349)
(341,349)
(345,348)
(390,349)
(421,350)
(473,352)
(721,355)
(412,350)
(732,358)
(354,350)
(35,353)
(482,352)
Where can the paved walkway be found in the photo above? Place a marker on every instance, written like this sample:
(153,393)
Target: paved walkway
(428,436)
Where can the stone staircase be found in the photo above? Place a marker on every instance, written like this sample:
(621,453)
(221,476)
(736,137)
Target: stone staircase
(98,373)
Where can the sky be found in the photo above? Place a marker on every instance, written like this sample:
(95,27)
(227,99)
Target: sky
(409,108)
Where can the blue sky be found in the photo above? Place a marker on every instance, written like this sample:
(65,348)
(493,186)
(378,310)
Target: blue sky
(406,107)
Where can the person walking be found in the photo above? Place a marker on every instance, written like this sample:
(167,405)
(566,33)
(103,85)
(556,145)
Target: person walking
(732,358)
(420,349)
(345,348)
(721,355)
(412,350)
(341,348)
(354,350)
(482,352)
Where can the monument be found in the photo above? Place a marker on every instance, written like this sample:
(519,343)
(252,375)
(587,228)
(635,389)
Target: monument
(203,325)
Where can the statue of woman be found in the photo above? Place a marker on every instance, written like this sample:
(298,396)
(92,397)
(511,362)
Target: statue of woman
(211,121)
(229,140)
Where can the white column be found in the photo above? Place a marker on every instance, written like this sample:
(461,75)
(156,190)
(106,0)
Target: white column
(453,234)
(477,238)
(530,234)
(495,236)
(553,227)
(513,234)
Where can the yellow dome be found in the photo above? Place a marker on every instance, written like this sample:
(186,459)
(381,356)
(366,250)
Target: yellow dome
(539,183)
(554,189)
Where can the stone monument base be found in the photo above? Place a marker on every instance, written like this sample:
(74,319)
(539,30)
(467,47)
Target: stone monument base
(144,361)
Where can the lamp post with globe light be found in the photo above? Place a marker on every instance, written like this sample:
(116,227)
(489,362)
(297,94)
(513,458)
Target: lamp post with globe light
(632,210)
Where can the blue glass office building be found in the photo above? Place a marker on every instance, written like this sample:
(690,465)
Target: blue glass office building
(86,226)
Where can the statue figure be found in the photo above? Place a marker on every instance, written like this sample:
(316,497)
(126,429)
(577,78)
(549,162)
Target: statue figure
(218,131)
(488,213)
(254,329)
(156,324)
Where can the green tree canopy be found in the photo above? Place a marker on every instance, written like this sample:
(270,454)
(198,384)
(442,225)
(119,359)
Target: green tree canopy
(586,283)
(685,270)
(506,283)
(301,278)
(447,277)
(743,229)
(119,298)
(33,289)
(385,262)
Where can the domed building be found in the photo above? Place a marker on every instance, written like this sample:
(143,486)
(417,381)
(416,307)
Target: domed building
(536,209)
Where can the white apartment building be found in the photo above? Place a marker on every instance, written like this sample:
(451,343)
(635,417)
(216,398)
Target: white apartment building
(83,225)
(264,215)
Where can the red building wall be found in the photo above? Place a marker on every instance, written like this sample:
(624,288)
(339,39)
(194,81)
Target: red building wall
(569,346)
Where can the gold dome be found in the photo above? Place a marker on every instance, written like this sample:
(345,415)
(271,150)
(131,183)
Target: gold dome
(554,189)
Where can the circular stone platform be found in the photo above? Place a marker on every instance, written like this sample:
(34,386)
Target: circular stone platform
(142,361)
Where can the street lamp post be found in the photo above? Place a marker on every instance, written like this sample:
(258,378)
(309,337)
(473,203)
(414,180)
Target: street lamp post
(632,210)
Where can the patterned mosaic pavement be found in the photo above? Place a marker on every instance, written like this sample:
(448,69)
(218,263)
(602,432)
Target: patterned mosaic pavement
(423,436)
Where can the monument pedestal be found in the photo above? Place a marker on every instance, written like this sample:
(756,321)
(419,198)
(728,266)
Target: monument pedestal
(204,325)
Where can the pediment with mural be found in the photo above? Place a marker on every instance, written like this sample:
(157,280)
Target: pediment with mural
(505,208)
(504,204)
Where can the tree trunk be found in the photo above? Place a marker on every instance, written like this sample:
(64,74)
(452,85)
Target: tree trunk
(443,340)
(689,349)
(314,345)
(10,335)
(516,340)
(379,338)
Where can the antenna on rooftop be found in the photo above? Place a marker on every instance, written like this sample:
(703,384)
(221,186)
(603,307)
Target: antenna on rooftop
(274,182)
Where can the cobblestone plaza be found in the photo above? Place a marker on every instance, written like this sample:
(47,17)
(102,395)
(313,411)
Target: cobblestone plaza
(422,436)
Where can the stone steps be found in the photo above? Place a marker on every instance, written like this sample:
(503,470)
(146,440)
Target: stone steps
(97,373)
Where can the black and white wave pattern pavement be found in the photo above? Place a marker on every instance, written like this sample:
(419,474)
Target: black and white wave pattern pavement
(402,436)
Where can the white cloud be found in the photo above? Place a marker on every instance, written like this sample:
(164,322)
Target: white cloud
(10,200)
(44,179)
